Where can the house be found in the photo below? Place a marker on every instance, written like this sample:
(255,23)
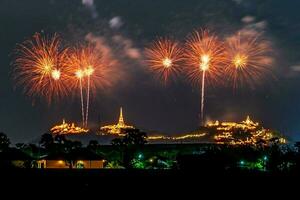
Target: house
(78,159)
(14,157)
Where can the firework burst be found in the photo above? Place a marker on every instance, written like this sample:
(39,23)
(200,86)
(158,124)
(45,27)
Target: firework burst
(86,72)
(164,57)
(249,59)
(39,69)
(204,57)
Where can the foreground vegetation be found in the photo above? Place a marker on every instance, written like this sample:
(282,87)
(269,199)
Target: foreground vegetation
(132,152)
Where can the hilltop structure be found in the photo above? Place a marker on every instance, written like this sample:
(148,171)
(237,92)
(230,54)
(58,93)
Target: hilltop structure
(244,132)
(67,129)
(117,129)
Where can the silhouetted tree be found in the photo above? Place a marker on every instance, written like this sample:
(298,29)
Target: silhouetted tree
(20,145)
(93,145)
(129,144)
(47,141)
(4,142)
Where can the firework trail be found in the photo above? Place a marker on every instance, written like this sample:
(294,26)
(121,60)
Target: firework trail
(204,57)
(86,72)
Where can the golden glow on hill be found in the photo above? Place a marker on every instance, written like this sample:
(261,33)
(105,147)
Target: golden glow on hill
(183,137)
(116,129)
(67,129)
(245,132)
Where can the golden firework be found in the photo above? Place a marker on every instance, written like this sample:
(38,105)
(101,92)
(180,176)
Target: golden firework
(164,57)
(204,53)
(86,72)
(39,69)
(84,62)
(248,59)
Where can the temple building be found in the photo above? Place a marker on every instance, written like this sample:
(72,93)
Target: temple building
(247,124)
(116,129)
(244,132)
(67,129)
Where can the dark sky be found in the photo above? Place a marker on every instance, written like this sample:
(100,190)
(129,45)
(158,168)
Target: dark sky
(147,104)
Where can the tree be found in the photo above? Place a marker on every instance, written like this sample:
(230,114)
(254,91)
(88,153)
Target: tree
(72,145)
(20,145)
(93,145)
(4,142)
(47,141)
(133,140)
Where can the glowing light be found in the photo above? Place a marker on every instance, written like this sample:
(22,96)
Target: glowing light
(140,156)
(60,162)
(204,64)
(240,61)
(164,57)
(55,74)
(89,71)
(167,62)
(79,74)
(183,137)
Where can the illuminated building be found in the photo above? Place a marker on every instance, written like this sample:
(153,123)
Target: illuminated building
(79,159)
(245,132)
(67,129)
(116,129)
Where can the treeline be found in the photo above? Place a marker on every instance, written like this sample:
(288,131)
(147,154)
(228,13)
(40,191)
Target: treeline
(130,151)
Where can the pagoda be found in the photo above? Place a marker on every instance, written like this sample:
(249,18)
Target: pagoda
(116,129)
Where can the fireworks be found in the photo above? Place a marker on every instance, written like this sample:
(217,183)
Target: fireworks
(39,66)
(86,72)
(248,59)
(164,57)
(204,57)
(45,69)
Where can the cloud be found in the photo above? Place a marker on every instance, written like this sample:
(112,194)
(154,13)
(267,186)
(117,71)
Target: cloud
(118,52)
(89,4)
(238,1)
(127,47)
(100,44)
(115,22)
(253,27)
(248,19)
(295,68)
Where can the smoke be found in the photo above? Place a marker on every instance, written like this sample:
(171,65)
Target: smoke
(127,47)
(89,4)
(295,68)
(115,22)
(238,1)
(248,19)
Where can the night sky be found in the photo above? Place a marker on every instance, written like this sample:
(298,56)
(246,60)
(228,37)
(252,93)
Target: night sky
(146,103)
